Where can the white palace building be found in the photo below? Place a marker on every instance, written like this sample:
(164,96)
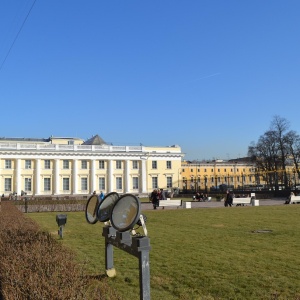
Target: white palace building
(72,166)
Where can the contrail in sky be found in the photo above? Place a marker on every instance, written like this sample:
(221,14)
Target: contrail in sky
(204,77)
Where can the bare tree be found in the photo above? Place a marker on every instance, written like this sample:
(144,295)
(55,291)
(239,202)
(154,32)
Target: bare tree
(293,143)
(280,126)
(265,154)
(272,151)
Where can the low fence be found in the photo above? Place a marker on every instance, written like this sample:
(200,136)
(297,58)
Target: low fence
(50,207)
(258,194)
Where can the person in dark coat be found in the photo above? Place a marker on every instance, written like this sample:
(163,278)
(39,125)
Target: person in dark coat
(154,199)
(228,199)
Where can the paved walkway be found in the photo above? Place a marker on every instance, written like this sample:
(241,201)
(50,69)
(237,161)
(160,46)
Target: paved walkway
(211,204)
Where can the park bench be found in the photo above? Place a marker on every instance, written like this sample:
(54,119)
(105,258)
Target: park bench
(241,201)
(168,202)
(295,199)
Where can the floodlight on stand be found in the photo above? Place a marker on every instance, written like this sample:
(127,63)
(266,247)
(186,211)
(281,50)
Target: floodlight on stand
(125,212)
(105,207)
(91,209)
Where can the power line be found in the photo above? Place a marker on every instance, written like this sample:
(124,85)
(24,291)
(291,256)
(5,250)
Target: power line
(11,46)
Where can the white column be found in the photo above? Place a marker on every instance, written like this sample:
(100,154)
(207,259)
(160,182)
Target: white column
(127,179)
(74,176)
(93,185)
(144,176)
(18,176)
(56,177)
(37,176)
(110,176)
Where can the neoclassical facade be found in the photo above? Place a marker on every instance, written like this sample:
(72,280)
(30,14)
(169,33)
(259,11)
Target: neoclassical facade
(206,175)
(237,173)
(72,166)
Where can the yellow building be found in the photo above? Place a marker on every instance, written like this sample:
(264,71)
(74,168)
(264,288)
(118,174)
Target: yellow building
(236,174)
(209,175)
(72,166)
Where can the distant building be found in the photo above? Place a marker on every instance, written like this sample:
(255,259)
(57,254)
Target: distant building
(209,175)
(218,174)
(72,166)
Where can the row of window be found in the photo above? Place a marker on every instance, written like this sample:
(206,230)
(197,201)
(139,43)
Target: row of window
(226,179)
(219,170)
(84,184)
(84,164)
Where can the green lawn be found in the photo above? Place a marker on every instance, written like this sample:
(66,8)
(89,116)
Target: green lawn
(201,253)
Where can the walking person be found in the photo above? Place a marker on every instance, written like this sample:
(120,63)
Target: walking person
(154,199)
(101,196)
(229,199)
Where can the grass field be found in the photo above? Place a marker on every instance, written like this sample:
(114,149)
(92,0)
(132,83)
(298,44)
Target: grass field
(200,253)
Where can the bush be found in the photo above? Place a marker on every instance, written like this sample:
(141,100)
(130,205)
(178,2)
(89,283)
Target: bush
(32,264)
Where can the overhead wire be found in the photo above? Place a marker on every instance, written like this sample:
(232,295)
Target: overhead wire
(19,31)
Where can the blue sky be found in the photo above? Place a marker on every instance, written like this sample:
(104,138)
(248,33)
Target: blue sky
(206,75)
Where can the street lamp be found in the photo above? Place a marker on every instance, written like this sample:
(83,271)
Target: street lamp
(242,181)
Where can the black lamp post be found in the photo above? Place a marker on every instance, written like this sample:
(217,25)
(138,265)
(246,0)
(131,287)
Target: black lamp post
(228,180)
(205,182)
(242,181)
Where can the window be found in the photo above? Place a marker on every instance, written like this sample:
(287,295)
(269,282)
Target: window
(66,184)
(224,170)
(183,170)
(65,164)
(70,142)
(135,183)
(84,184)
(118,164)
(169,165)
(27,164)
(169,182)
(84,164)
(134,164)
(7,164)
(154,183)
(204,170)
(119,183)
(7,184)
(237,170)
(212,180)
(154,164)
(101,164)
(192,170)
(47,164)
(212,170)
(27,184)
(218,170)
(101,183)
(47,184)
